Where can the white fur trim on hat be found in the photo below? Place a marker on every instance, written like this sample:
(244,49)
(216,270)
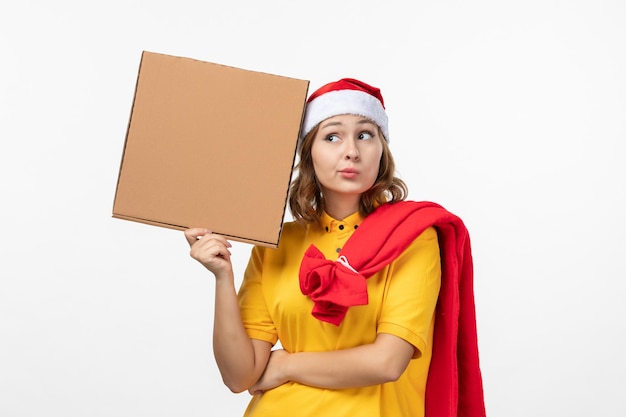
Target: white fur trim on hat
(334,103)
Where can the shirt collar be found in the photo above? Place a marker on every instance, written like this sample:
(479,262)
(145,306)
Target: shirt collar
(349,223)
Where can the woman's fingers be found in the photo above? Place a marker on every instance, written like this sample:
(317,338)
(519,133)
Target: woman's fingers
(193,234)
(210,249)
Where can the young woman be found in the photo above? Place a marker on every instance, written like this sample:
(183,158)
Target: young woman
(355,317)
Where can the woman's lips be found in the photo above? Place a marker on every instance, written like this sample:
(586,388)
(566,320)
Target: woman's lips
(349,173)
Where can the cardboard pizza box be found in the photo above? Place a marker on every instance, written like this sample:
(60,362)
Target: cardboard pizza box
(211,146)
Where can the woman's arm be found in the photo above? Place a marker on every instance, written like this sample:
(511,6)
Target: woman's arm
(376,363)
(241,360)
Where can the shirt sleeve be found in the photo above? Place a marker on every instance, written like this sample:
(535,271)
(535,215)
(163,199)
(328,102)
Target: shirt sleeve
(254,313)
(412,292)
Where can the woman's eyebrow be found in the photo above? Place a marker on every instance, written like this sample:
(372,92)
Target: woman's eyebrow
(323,125)
(366,122)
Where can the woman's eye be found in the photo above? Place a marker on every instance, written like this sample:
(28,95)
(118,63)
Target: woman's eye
(332,138)
(365,136)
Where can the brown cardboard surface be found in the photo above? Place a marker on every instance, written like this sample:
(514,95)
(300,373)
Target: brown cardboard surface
(210,146)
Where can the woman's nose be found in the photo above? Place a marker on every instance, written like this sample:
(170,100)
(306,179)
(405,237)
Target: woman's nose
(352,151)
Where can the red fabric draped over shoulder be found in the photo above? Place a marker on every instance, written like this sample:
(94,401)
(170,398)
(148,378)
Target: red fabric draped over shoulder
(454,387)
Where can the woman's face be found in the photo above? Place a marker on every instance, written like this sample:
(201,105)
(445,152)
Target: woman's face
(346,154)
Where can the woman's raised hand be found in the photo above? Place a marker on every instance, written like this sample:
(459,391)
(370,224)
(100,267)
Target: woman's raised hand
(210,250)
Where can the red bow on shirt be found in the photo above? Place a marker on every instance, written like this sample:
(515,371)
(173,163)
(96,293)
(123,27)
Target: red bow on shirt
(382,237)
(454,386)
(332,285)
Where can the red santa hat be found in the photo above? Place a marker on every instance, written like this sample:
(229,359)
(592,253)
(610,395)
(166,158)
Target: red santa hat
(346,96)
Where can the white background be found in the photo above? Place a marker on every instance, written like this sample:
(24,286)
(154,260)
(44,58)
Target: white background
(510,114)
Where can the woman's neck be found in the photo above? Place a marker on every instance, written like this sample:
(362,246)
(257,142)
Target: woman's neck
(341,207)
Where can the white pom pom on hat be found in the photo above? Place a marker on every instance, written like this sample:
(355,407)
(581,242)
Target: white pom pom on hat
(346,96)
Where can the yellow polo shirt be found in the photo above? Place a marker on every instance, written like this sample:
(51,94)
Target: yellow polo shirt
(402,299)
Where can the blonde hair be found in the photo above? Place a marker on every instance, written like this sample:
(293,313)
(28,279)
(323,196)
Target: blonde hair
(306,201)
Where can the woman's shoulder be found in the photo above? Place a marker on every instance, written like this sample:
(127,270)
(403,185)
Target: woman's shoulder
(293,230)
(293,237)
(429,233)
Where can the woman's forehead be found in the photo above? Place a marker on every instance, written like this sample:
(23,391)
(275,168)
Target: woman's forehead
(345,119)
